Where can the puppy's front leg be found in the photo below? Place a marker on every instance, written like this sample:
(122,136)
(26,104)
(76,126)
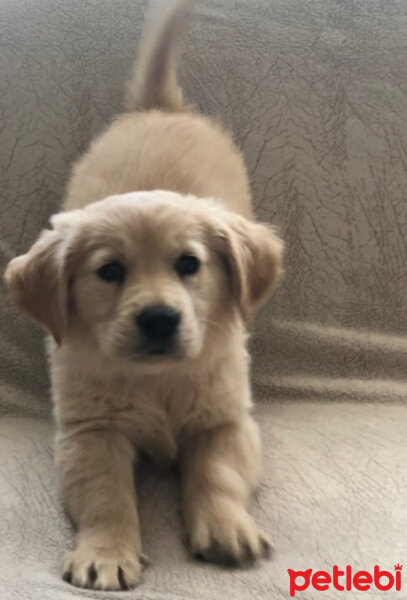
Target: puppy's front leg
(220,470)
(98,487)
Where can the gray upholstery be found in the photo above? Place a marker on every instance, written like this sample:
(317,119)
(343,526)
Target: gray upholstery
(315,93)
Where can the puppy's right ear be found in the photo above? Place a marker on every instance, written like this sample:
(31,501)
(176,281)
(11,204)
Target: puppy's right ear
(38,283)
(252,253)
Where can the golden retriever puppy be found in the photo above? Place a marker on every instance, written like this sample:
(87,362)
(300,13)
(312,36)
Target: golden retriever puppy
(147,282)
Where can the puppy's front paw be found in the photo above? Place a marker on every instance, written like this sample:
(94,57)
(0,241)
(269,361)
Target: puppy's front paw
(224,532)
(103,568)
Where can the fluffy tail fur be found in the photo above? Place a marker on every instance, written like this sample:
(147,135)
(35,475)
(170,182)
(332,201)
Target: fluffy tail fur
(154,82)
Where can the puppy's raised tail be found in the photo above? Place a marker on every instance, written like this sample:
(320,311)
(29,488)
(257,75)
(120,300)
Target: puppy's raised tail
(154,83)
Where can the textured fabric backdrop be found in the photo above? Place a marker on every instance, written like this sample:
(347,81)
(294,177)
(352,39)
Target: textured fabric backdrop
(315,92)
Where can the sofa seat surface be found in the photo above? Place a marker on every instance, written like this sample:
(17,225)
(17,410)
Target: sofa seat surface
(332,494)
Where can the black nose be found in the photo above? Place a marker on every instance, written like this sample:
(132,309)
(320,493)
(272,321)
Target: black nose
(158,322)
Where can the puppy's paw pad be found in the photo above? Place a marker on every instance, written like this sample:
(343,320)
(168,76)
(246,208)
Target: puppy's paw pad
(106,570)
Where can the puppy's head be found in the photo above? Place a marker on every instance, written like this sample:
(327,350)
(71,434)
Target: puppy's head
(149,276)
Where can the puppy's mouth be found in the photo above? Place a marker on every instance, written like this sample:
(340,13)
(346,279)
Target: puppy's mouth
(159,350)
(146,351)
(156,352)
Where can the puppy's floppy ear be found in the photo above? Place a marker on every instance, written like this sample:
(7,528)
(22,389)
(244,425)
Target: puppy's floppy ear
(39,279)
(253,256)
(38,284)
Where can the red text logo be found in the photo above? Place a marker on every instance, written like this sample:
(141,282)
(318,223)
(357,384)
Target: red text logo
(345,580)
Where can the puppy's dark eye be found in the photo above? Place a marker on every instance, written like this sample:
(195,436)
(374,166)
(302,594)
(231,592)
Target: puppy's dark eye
(112,272)
(187,264)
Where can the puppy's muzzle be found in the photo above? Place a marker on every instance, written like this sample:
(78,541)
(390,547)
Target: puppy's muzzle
(159,325)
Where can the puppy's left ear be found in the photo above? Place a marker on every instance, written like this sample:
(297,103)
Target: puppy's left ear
(39,285)
(253,254)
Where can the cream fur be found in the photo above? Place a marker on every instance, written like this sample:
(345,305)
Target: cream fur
(112,401)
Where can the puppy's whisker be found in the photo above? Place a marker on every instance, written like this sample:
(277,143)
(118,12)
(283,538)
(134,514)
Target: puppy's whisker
(216,325)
